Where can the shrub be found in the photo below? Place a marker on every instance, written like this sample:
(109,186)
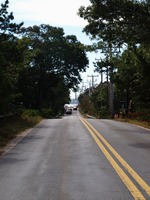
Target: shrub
(47,113)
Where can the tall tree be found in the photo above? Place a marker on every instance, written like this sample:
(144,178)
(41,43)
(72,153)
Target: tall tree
(126,23)
(53,56)
(10,58)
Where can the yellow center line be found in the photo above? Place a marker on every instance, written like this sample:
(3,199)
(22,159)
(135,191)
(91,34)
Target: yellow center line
(129,184)
(139,180)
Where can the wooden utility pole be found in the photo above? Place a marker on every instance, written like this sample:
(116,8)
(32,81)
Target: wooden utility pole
(92,76)
(111,87)
(110,49)
(101,72)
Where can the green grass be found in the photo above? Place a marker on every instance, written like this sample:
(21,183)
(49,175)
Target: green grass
(9,128)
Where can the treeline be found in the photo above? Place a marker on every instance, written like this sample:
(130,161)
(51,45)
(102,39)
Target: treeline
(122,31)
(38,66)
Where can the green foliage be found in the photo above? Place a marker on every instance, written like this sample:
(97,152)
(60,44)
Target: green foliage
(31,117)
(122,23)
(102,113)
(118,21)
(39,67)
(96,104)
(142,115)
(12,126)
(99,99)
(5,21)
(48,113)
(10,57)
(85,104)
(53,65)
(53,52)
(30,113)
(131,81)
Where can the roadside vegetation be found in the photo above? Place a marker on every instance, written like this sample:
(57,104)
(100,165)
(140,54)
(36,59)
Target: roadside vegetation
(122,34)
(38,67)
(13,126)
(40,64)
(144,124)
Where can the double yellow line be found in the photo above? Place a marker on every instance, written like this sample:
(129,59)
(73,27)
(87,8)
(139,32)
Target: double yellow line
(127,181)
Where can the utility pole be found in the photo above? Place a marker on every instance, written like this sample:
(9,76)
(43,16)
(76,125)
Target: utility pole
(90,89)
(92,76)
(111,87)
(110,50)
(101,72)
(83,87)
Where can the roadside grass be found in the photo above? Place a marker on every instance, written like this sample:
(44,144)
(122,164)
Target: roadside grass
(11,127)
(139,122)
(145,124)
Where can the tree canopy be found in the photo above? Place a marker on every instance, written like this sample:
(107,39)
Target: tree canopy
(122,24)
(123,21)
(38,66)
(52,57)
(10,58)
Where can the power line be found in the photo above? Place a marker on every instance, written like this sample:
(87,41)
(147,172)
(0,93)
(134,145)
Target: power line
(92,76)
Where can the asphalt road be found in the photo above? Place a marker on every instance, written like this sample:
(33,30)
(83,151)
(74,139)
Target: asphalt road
(76,159)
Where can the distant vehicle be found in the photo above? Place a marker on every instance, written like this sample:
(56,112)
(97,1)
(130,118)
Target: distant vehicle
(75,107)
(71,106)
(68,106)
(68,111)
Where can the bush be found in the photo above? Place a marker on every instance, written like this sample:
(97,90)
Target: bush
(10,127)
(142,115)
(47,113)
(31,116)
(30,113)
(102,113)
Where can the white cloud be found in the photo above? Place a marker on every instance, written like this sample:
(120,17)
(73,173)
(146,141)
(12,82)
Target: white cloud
(49,11)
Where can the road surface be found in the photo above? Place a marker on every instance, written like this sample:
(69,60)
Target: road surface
(77,159)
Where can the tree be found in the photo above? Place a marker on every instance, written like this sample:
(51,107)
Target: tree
(6,26)
(54,95)
(52,57)
(10,57)
(123,23)
(99,99)
(85,104)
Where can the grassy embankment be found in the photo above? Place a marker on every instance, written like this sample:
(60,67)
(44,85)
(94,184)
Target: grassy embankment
(145,124)
(11,127)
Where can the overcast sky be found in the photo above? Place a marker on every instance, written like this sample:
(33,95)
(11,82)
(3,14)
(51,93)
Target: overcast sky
(60,13)
(54,12)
